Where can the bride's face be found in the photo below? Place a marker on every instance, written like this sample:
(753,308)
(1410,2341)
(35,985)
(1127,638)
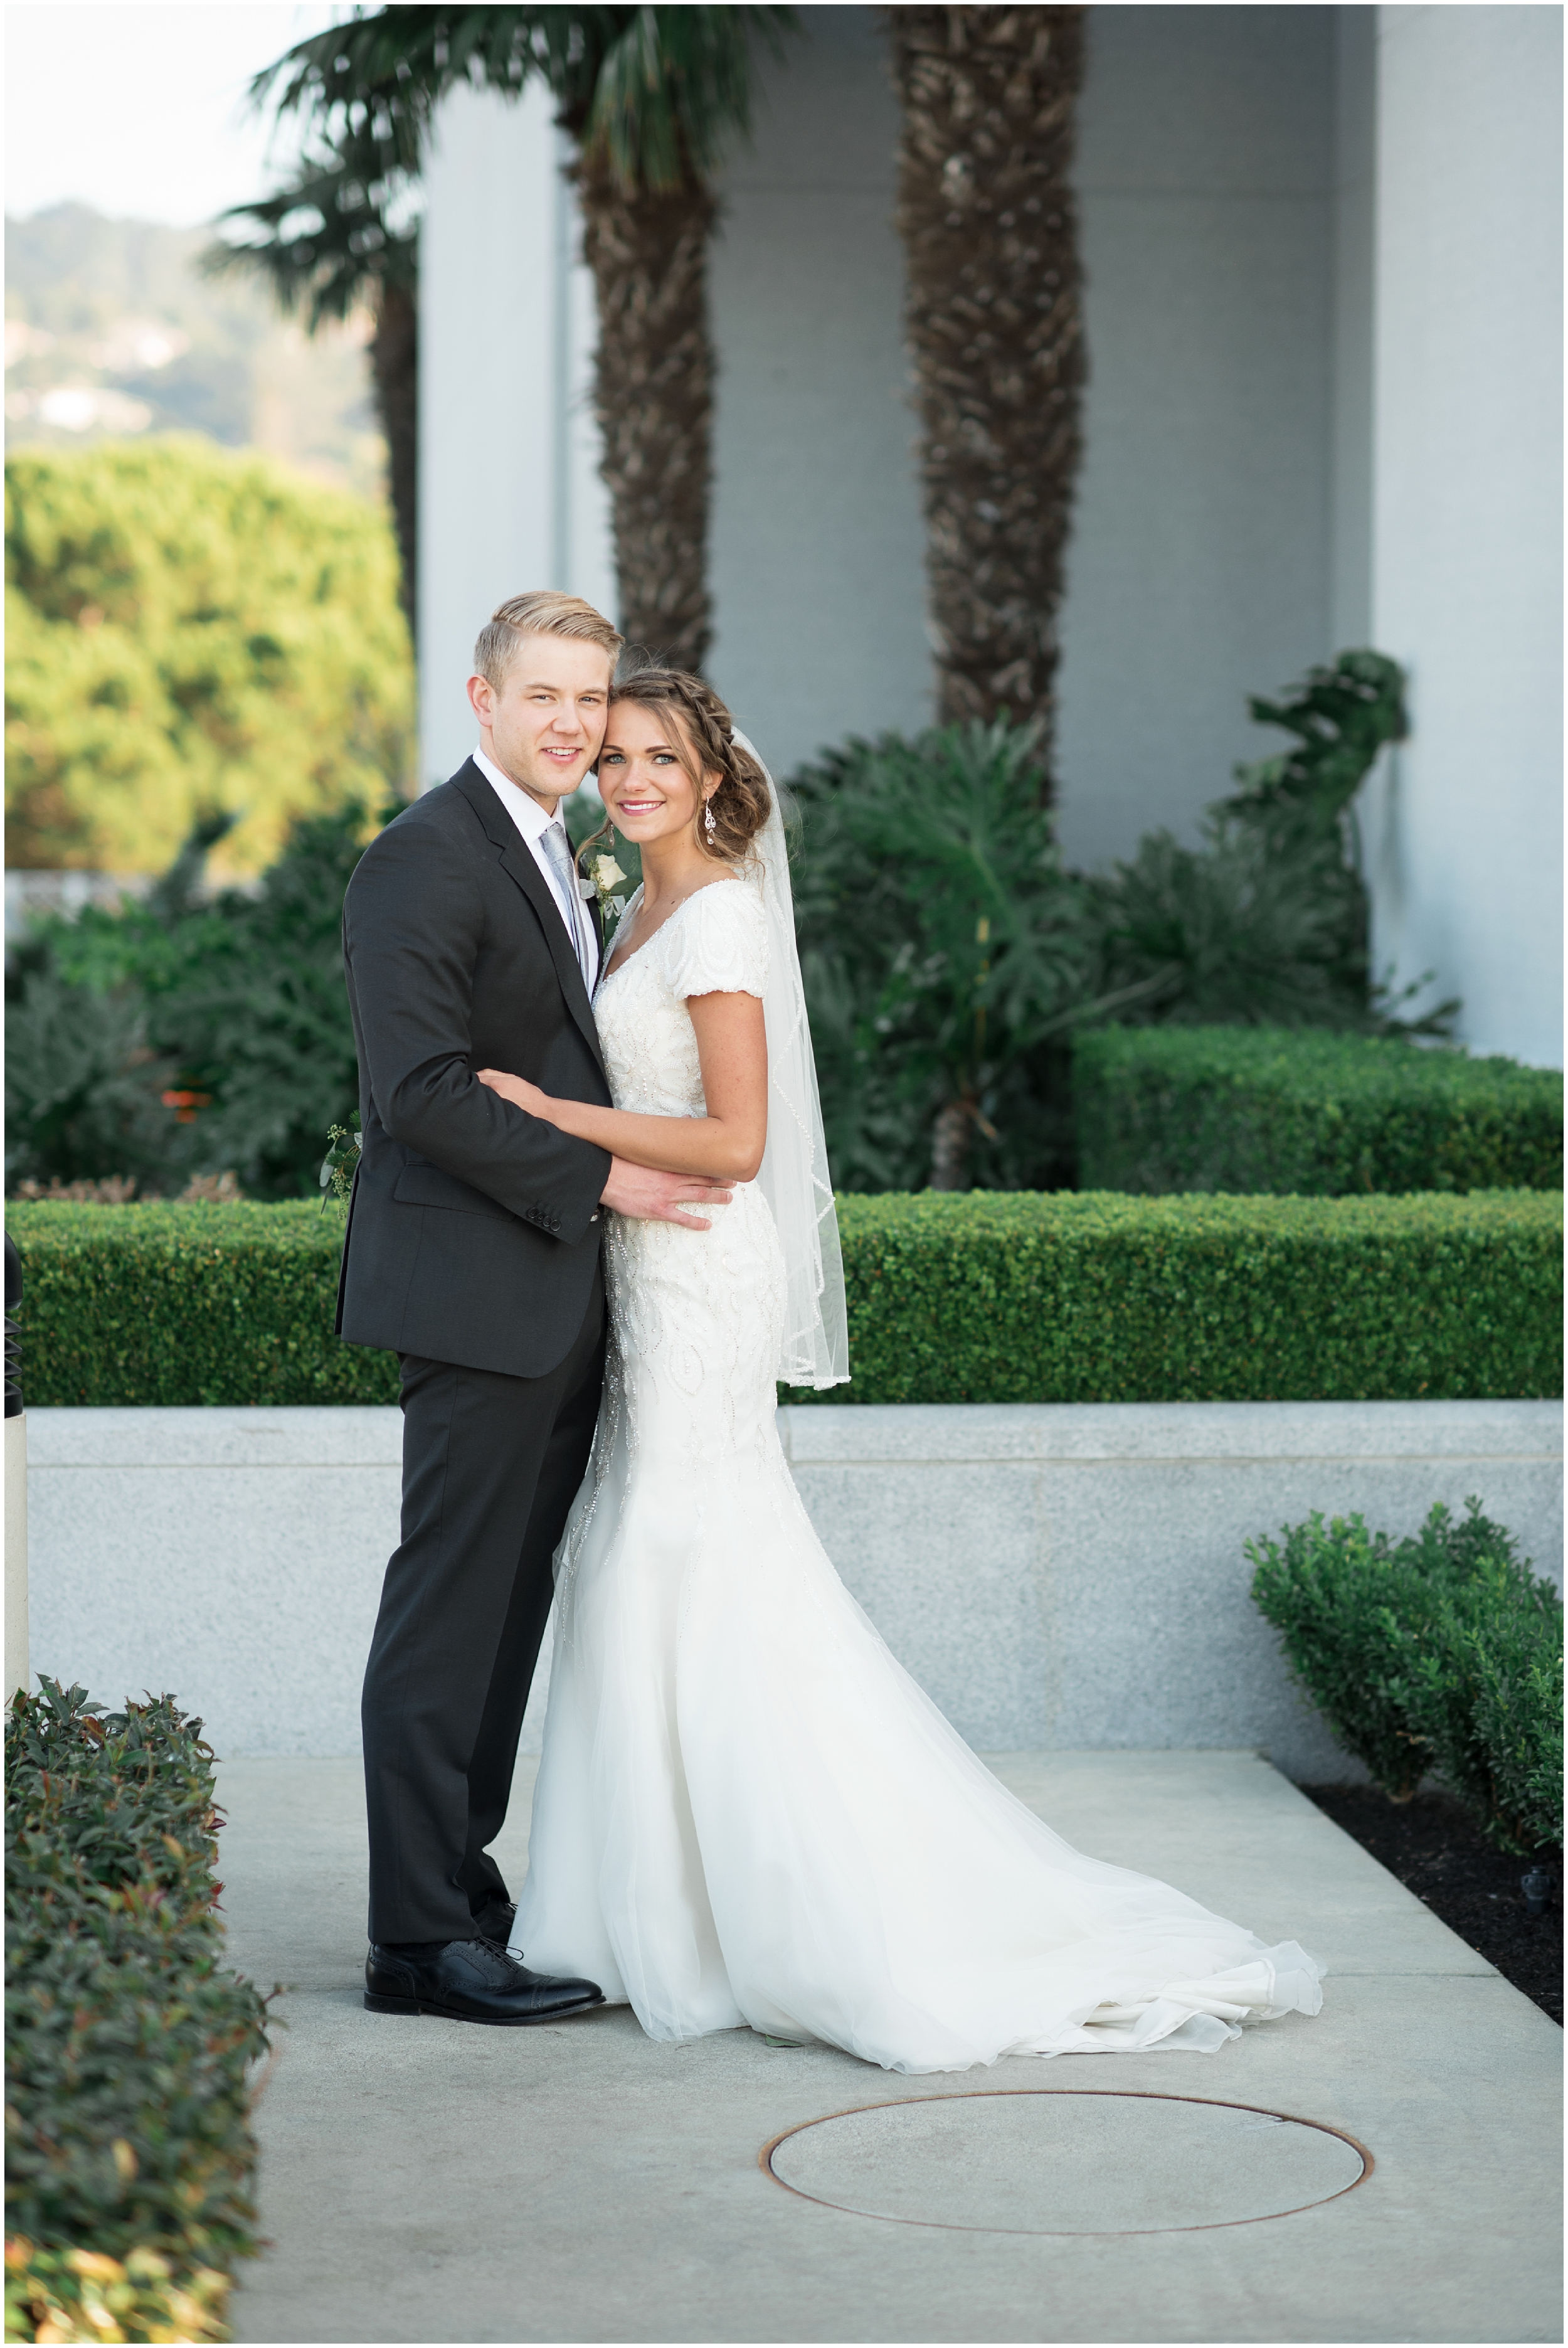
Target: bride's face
(644,773)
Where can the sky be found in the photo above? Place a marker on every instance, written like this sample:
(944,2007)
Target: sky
(139,109)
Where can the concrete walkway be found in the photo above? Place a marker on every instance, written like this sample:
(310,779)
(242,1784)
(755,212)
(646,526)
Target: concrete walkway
(423,2182)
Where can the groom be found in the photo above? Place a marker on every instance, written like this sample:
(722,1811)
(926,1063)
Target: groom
(472,1253)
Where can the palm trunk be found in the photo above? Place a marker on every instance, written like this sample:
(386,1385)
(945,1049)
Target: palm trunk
(995,324)
(395,369)
(653,397)
(951,1136)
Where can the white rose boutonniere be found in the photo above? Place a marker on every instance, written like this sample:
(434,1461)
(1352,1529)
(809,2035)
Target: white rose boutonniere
(604,873)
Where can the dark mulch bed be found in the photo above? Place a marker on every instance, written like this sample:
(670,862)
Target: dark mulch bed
(1438,1851)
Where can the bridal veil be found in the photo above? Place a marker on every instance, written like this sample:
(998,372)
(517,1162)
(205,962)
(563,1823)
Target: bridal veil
(793,1178)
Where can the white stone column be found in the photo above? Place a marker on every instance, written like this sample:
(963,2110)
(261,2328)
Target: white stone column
(18,1667)
(509,496)
(1464,828)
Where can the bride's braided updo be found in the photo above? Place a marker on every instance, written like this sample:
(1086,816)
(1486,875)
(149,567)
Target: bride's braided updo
(705,730)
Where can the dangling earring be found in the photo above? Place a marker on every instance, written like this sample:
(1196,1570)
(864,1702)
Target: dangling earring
(709,826)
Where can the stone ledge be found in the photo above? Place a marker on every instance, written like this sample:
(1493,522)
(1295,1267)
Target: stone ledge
(1053,1575)
(1136,1432)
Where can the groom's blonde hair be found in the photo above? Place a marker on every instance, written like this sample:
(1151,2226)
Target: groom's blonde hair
(546,613)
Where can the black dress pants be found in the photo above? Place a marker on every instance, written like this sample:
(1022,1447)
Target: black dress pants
(491,1468)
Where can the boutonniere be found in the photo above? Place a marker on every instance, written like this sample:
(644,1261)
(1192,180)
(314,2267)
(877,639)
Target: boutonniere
(603,873)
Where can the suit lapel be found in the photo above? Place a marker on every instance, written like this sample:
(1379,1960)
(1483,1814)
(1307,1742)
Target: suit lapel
(517,860)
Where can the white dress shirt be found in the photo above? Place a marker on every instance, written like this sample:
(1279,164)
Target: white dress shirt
(533,823)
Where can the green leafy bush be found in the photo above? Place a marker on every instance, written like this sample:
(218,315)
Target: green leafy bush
(127,2043)
(1484,1689)
(1266,919)
(949,955)
(992,1297)
(238,1001)
(1440,1653)
(1293,1110)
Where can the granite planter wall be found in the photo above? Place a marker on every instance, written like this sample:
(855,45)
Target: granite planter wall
(1054,1575)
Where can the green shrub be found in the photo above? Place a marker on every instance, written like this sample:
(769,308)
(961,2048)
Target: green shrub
(85,2295)
(1440,1653)
(949,953)
(1001,1297)
(168,1303)
(992,1297)
(237,1000)
(1484,1689)
(127,2043)
(1266,919)
(1301,1111)
(1519,1720)
(1346,1601)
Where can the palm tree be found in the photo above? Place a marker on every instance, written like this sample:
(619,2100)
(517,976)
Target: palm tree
(651,96)
(328,245)
(995,322)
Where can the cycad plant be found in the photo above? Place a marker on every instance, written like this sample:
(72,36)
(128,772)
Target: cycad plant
(945,953)
(949,955)
(651,97)
(996,329)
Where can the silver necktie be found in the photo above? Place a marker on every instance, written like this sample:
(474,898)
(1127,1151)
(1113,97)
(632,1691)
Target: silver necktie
(555,847)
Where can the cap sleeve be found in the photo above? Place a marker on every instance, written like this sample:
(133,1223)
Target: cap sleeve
(720,944)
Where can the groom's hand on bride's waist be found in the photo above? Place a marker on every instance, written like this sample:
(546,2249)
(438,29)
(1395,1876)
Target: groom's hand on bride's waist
(653,1198)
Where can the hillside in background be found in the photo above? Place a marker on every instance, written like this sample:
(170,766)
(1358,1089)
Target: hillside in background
(110,330)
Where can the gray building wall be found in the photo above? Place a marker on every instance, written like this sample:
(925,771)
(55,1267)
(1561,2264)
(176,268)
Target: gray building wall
(1464,827)
(816,545)
(1201,559)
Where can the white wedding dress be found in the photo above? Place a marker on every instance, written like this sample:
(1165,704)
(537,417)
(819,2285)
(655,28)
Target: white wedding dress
(746,1811)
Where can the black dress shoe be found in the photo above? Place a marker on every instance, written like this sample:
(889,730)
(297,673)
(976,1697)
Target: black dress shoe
(469,1981)
(495,1919)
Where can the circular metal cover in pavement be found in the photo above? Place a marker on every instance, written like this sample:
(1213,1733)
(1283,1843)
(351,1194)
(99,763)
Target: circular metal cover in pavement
(1063,2160)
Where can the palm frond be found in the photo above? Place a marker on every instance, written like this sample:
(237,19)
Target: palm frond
(656,91)
(328,237)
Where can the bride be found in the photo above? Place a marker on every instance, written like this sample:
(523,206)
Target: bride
(746,1811)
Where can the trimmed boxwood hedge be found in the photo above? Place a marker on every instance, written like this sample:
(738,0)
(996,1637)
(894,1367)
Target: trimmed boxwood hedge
(1441,1652)
(1282,1109)
(999,1296)
(201,1303)
(128,2152)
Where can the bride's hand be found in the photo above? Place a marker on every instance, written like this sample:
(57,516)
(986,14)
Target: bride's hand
(518,1091)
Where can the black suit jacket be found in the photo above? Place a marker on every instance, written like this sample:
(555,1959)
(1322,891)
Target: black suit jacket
(474,1229)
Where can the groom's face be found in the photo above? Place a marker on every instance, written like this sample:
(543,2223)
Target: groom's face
(543,725)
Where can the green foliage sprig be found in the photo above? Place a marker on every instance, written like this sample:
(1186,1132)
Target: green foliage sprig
(340,1163)
(1441,1654)
(128,2134)
(1269,1108)
(993,1297)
